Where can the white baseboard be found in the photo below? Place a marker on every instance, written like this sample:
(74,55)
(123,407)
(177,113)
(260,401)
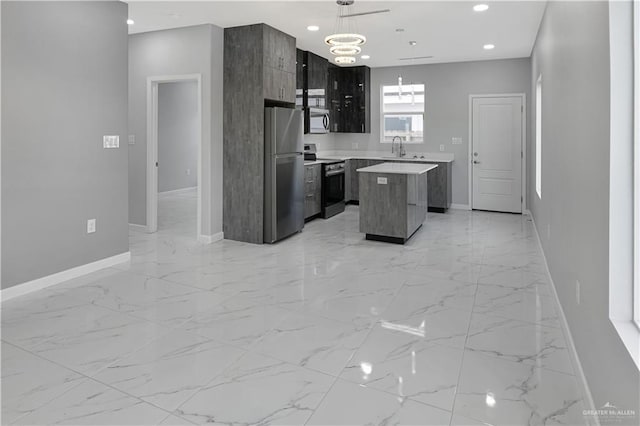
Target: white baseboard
(178,191)
(460,206)
(210,239)
(573,353)
(57,278)
(137,228)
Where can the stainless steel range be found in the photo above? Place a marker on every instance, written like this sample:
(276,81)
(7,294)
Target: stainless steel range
(333,182)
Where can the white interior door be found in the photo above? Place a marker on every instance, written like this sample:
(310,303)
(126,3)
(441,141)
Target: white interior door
(497,153)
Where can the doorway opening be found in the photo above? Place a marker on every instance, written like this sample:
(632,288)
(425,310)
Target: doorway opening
(174,155)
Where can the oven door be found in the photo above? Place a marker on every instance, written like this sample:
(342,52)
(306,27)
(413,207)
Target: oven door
(333,193)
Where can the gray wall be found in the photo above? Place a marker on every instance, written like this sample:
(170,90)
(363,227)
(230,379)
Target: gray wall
(64,86)
(189,50)
(177,135)
(448,87)
(572,54)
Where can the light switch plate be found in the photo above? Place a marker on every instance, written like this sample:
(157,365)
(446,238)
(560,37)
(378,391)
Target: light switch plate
(441,147)
(111,141)
(382,181)
(91,226)
(456,141)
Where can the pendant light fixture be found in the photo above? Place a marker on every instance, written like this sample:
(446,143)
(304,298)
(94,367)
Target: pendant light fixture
(400,32)
(345,42)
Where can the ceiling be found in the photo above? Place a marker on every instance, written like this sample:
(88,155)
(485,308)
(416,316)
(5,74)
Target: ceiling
(450,31)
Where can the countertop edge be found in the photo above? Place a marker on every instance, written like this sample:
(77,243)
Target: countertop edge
(389,170)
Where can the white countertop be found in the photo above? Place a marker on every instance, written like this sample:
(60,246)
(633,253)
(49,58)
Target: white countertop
(399,168)
(430,157)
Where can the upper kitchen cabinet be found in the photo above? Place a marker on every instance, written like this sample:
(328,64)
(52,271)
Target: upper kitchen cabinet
(279,53)
(312,86)
(316,87)
(279,85)
(350,99)
(300,78)
(272,52)
(279,50)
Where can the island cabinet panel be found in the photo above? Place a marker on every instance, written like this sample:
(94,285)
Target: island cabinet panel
(383,208)
(392,206)
(439,185)
(259,65)
(355,164)
(312,191)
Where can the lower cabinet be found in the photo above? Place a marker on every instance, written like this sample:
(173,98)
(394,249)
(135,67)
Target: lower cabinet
(354,189)
(439,187)
(438,182)
(312,191)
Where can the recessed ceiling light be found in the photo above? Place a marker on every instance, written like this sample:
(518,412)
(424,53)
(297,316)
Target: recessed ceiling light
(313,28)
(365,57)
(413,43)
(480,7)
(488,46)
(130,22)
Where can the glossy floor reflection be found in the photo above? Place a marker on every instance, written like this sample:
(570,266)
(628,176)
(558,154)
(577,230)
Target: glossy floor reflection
(456,327)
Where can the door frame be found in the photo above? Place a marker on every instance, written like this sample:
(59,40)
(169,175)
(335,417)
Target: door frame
(152,146)
(523,147)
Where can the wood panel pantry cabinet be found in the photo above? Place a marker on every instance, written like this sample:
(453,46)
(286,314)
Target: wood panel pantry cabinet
(259,71)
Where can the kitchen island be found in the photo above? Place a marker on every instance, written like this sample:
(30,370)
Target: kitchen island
(393,200)
(440,180)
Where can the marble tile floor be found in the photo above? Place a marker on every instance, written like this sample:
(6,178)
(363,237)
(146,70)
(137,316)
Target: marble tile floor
(457,327)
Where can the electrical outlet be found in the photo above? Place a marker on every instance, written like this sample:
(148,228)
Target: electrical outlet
(355,145)
(132,139)
(188,172)
(548,231)
(456,141)
(91,226)
(577,292)
(441,147)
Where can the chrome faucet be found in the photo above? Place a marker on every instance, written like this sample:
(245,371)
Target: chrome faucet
(400,152)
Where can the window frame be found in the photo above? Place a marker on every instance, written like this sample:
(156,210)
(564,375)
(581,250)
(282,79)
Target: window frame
(400,113)
(538,124)
(636,164)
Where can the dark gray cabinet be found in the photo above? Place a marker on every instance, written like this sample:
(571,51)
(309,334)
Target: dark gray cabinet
(439,186)
(312,190)
(279,85)
(259,69)
(438,182)
(279,59)
(350,99)
(354,186)
(311,84)
(279,50)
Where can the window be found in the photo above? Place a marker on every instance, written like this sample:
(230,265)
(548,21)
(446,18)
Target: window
(402,110)
(539,137)
(636,167)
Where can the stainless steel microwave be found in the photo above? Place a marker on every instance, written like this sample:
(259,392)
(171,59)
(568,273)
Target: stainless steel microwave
(318,120)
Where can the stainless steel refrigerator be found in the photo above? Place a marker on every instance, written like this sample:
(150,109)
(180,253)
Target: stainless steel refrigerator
(283,173)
